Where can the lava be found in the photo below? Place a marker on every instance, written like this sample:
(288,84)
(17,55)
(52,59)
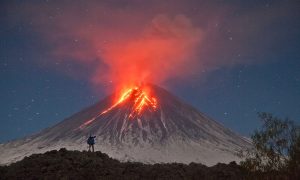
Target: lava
(139,99)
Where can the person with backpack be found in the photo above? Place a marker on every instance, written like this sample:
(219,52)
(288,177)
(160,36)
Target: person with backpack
(91,142)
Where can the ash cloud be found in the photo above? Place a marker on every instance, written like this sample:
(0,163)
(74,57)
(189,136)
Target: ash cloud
(135,41)
(165,48)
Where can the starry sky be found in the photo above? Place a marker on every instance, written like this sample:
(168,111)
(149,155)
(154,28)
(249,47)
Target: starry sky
(229,59)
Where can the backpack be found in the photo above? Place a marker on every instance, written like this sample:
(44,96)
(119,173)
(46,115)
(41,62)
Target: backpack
(90,140)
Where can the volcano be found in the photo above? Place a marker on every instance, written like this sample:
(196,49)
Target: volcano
(145,124)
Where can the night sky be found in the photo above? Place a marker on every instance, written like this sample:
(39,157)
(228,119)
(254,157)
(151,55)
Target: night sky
(229,59)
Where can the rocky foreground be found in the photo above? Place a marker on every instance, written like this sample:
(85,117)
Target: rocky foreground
(64,164)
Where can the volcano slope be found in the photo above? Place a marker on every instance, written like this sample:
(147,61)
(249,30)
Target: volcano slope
(144,126)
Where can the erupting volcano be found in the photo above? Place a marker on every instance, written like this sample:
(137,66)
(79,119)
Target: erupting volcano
(143,123)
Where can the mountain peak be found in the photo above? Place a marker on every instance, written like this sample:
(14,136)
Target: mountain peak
(135,99)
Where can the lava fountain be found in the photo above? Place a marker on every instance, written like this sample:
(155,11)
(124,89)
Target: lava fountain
(138,96)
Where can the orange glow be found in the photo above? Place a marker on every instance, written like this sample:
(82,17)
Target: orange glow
(123,97)
(139,99)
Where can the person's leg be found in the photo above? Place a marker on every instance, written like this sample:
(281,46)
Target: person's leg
(93,147)
(89,147)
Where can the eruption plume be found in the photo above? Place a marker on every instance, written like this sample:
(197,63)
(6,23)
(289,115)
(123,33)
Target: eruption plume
(117,43)
(165,49)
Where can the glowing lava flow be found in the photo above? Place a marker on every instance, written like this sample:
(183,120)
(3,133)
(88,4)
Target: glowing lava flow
(139,99)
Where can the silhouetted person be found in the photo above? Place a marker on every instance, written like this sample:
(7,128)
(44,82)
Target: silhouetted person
(91,142)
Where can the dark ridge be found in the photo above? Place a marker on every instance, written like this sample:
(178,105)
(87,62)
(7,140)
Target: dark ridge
(64,164)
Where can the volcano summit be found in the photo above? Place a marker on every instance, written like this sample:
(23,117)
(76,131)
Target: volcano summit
(146,124)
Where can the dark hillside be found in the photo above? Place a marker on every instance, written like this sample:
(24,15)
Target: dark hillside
(64,164)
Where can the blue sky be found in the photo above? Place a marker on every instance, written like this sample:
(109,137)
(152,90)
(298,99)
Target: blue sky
(251,62)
